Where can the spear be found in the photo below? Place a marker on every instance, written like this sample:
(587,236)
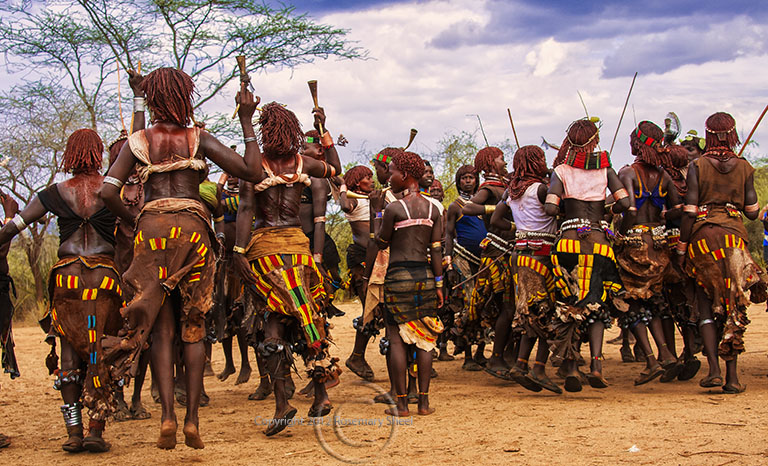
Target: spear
(622,112)
(513,128)
(481,127)
(751,133)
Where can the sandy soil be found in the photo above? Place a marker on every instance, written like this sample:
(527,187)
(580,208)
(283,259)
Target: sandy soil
(479,418)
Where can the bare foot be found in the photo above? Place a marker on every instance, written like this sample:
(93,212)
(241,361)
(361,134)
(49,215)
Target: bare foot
(167,439)
(192,436)
(224,375)
(397,412)
(138,411)
(244,375)
(425,411)
(208,371)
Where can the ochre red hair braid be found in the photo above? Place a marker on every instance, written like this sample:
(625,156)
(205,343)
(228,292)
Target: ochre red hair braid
(485,157)
(674,161)
(84,152)
(355,175)
(410,164)
(649,151)
(279,131)
(721,137)
(169,95)
(582,136)
(530,166)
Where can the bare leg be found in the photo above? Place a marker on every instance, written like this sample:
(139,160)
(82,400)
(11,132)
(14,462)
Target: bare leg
(708,333)
(229,363)
(356,361)
(503,329)
(194,362)
(245,365)
(397,359)
(162,351)
(70,394)
(265,386)
(657,330)
(137,409)
(640,331)
(424,362)
(278,370)
(668,325)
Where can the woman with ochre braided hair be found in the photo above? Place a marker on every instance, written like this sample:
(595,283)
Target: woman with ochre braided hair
(583,262)
(721,188)
(411,229)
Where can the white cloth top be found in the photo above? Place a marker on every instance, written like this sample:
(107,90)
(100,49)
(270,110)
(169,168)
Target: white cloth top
(528,212)
(583,185)
(361,213)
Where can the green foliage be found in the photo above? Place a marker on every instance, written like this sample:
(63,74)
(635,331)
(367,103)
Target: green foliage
(28,307)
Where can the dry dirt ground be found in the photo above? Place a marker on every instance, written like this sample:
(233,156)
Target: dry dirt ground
(479,419)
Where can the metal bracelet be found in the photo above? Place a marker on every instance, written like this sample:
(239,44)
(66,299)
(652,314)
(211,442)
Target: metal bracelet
(319,220)
(113,181)
(19,222)
(238,250)
(252,139)
(706,322)
(138,104)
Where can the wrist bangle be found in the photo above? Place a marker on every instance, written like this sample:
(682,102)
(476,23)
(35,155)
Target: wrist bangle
(113,181)
(138,104)
(319,220)
(19,222)
(435,245)
(218,219)
(373,236)
(343,189)
(238,250)
(489,209)
(251,139)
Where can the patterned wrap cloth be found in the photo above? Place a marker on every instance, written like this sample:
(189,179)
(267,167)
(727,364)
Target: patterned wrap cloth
(84,309)
(289,283)
(410,302)
(172,253)
(588,283)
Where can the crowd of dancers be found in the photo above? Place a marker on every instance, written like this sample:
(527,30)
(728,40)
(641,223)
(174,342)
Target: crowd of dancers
(156,262)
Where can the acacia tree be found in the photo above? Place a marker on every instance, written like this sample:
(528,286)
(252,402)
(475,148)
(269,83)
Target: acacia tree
(201,37)
(36,121)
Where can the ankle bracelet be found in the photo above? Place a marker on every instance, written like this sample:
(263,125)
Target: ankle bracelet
(423,393)
(537,363)
(402,396)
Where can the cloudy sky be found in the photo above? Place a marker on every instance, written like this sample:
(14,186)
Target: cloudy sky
(436,61)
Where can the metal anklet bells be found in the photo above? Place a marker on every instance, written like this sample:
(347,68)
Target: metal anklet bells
(72,413)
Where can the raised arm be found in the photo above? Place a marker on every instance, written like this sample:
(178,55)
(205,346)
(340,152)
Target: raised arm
(113,182)
(331,167)
(249,166)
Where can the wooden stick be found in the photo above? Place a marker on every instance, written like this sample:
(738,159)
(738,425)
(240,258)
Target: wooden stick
(243,78)
(751,133)
(313,91)
(513,128)
(119,96)
(616,134)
